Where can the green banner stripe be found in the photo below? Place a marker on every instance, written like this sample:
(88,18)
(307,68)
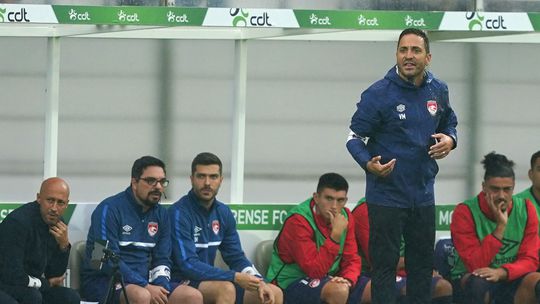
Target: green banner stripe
(6,208)
(368,19)
(257,216)
(260,217)
(130,15)
(535,21)
(271,217)
(319,19)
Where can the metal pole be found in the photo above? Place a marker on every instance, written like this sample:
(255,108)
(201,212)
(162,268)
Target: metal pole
(239,121)
(50,154)
(479,5)
(165,125)
(474,118)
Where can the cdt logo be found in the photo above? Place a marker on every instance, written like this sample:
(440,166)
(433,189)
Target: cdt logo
(14,16)
(241,18)
(410,21)
(477,22)
(367,22)
(123,17)
(313,19)
(75,16)
(173,18)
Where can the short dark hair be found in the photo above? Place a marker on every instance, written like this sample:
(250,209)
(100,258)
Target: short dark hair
(418,32)
(332,181)
(497,165)
(534,157)
(142,163)
(205,158)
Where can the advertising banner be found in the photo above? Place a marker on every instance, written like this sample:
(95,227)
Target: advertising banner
(371,20)
(26,13)
(485,21)
(267,18)
(245,17)
(130,15)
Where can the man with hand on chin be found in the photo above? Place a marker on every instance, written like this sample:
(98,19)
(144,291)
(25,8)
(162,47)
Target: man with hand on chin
(137,231)
(315,256)
(35,248)
(200,226)
(496,241)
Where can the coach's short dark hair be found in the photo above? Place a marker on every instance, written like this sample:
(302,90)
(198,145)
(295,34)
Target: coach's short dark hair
(418,32)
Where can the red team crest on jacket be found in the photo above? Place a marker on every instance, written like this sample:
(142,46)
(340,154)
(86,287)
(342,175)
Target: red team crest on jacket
(152,228)
(215,226)
(432,107)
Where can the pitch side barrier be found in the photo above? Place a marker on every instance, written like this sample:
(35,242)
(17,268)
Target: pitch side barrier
(248,216)
(258,224)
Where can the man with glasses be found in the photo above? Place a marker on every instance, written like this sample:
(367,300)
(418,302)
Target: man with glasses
(136,229)
(201,226)
(34,249)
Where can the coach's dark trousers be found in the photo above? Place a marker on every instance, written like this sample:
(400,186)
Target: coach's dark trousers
(386,227)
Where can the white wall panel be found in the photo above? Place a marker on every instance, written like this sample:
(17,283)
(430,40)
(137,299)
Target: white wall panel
(300,97)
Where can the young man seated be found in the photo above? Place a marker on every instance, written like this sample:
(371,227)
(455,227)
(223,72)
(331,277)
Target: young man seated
(496,241)
(315,258)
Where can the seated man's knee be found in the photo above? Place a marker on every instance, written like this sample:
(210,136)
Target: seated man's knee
(72,296)
(218,291)
(531,279)
(186,294)
(32,296)
(529,288)
(61,295)
(227,289)
(443,288)
(278,293)
(335,293)
(476,290)
(136,294)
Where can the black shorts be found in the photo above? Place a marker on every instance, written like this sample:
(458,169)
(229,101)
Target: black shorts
(308,291)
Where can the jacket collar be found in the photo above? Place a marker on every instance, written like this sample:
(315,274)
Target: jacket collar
(393,76)
(194,200)
(133,202)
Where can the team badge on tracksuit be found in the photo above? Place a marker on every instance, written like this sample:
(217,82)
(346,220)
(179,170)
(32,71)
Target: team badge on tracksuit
(314,283)
(432,107)
(215,226)
(152,228)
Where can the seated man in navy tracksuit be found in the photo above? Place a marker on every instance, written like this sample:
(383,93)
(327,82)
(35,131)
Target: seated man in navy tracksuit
(200,226)
(137,230)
